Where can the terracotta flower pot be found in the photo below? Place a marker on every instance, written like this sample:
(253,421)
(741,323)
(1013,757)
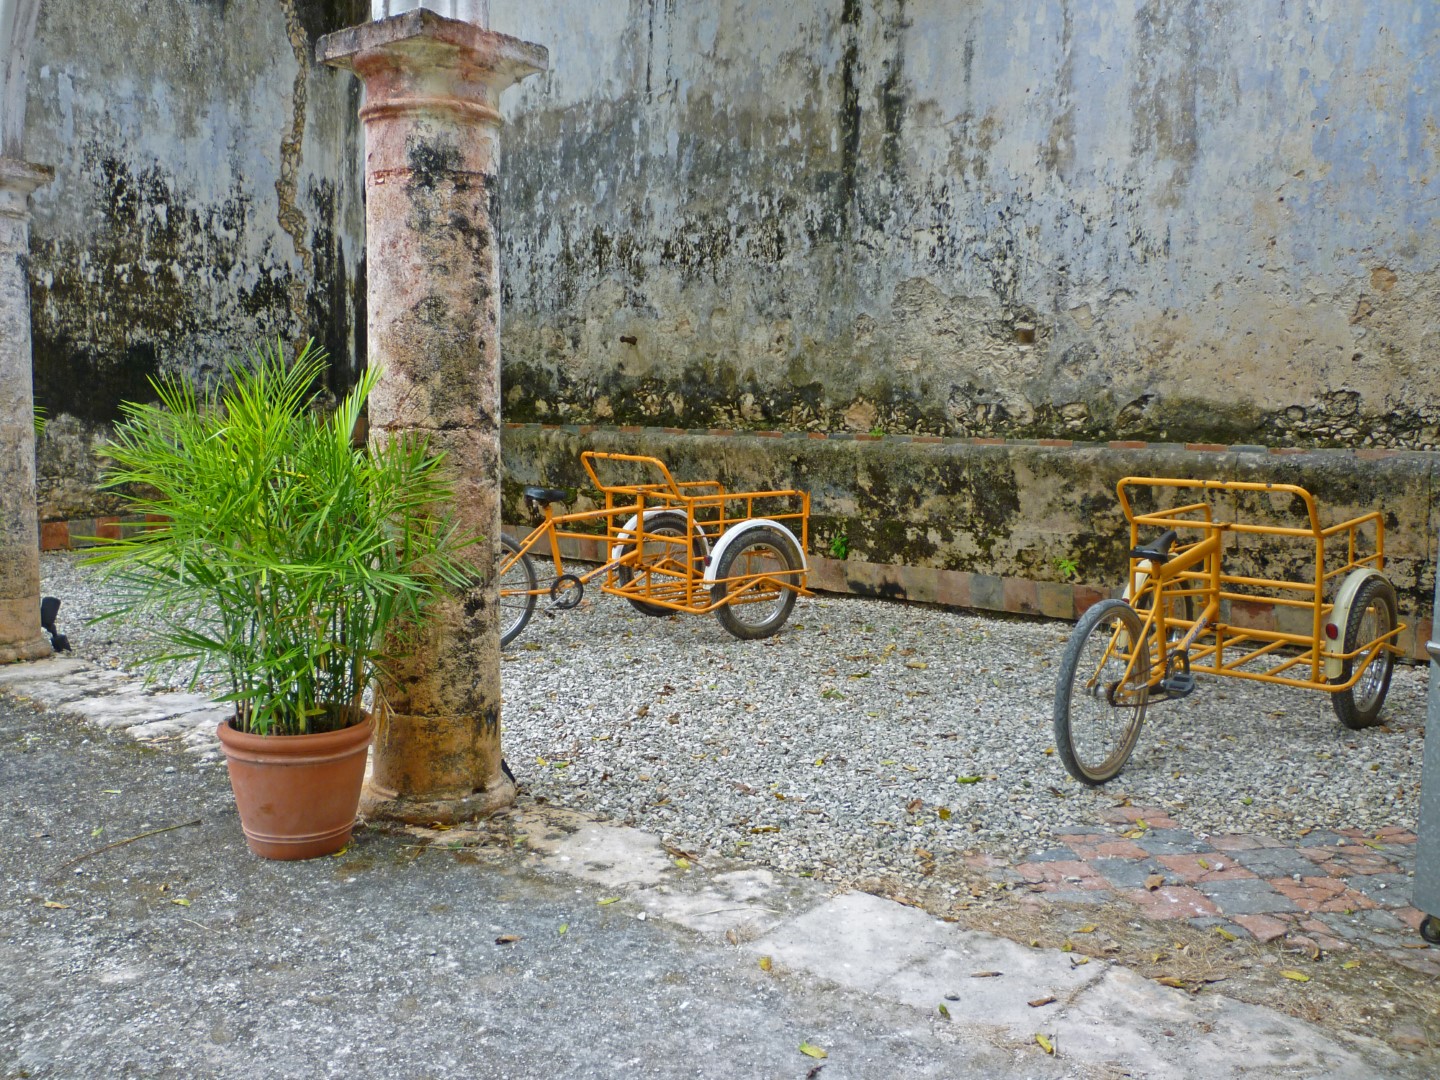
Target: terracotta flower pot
(297,794)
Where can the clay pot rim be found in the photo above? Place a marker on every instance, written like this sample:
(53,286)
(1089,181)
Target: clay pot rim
(231,736)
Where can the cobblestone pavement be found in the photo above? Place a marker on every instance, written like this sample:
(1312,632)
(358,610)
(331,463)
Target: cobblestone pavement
(1325,891)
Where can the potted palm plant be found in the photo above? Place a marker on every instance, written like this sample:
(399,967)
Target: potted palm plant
(284,564)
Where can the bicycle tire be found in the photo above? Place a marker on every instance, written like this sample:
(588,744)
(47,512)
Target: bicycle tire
(670,526)
(515,591)
(758,614)
(1082,683)
(1372,616)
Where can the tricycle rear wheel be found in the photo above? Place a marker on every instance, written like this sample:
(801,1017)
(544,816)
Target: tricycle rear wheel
(759,610)
(1372,616)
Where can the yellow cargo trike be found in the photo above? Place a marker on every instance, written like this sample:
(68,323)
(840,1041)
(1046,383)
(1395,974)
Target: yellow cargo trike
(669,546)
(1185,613)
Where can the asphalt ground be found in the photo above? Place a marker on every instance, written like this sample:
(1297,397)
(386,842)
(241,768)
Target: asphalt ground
(181,955)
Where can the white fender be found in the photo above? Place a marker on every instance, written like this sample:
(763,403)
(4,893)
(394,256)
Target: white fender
(750,525)
(629,530)
(1340,615)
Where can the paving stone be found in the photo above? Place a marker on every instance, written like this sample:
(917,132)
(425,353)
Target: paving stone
(1233,842)
(1058,871)
(1374,925)
(1321,838)
(1187,868)
(1263,928)
(1387,890)
(1126,873)
(1275,861)
(1172,842)
(1112,849)
(1171,902)
(1082,835)
(1312,892)
(1053,855)
(1253,897)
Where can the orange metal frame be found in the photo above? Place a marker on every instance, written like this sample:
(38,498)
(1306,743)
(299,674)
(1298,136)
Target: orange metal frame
(666,570)
(1196,571)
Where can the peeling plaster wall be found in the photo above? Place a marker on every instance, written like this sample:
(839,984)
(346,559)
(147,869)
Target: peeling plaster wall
(1176,220)
(207,194)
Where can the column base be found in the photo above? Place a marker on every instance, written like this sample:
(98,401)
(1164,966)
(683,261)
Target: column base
(380,804)
(14,652)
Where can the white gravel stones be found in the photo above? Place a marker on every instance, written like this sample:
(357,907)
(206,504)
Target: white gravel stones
(868,729)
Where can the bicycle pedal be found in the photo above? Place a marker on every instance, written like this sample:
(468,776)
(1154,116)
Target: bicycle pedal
(1178,684)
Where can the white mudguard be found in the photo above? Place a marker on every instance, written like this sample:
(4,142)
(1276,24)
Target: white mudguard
(1340,615)
(629,530)
(750,525)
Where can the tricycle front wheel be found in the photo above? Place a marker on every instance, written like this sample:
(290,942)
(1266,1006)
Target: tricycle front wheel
(1101,692)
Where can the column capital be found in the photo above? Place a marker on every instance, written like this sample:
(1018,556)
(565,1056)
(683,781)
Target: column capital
(420,41)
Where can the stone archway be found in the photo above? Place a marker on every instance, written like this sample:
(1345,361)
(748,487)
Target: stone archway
(20,635)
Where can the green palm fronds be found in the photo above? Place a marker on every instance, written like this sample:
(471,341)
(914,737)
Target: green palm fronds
(281,557)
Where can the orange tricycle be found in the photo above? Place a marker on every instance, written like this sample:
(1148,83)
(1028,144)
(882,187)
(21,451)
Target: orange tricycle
(1187,611)
(668,546)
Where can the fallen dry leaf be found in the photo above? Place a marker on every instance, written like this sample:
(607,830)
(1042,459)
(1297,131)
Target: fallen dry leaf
(1041,1001)
(1154,881)
(1295,976)
(507,939)
(984,974)
(1045,1044)
(766,963)
(811,1050)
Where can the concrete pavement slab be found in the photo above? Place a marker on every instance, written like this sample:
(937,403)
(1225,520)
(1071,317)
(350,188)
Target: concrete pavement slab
(990,981)
(1134,1024)
(855,940)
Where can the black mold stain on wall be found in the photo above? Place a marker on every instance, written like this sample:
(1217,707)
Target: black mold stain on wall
(103,316)
(326,16)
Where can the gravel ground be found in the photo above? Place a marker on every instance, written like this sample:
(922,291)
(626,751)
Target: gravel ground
(868,729)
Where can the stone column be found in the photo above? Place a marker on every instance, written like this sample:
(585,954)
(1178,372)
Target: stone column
(431,117)
(20,635)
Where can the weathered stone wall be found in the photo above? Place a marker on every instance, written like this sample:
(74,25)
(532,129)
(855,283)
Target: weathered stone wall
(1181,221)
(1176,220)
(207,195)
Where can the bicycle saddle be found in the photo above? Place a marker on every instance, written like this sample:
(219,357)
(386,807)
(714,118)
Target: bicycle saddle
(545,496)
(1158,551)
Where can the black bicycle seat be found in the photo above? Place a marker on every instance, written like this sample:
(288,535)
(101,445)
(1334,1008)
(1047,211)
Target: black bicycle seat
(1158,551)
(545,496)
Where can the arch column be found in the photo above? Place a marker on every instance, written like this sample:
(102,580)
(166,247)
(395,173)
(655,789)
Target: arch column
(20,634)
(432,120)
